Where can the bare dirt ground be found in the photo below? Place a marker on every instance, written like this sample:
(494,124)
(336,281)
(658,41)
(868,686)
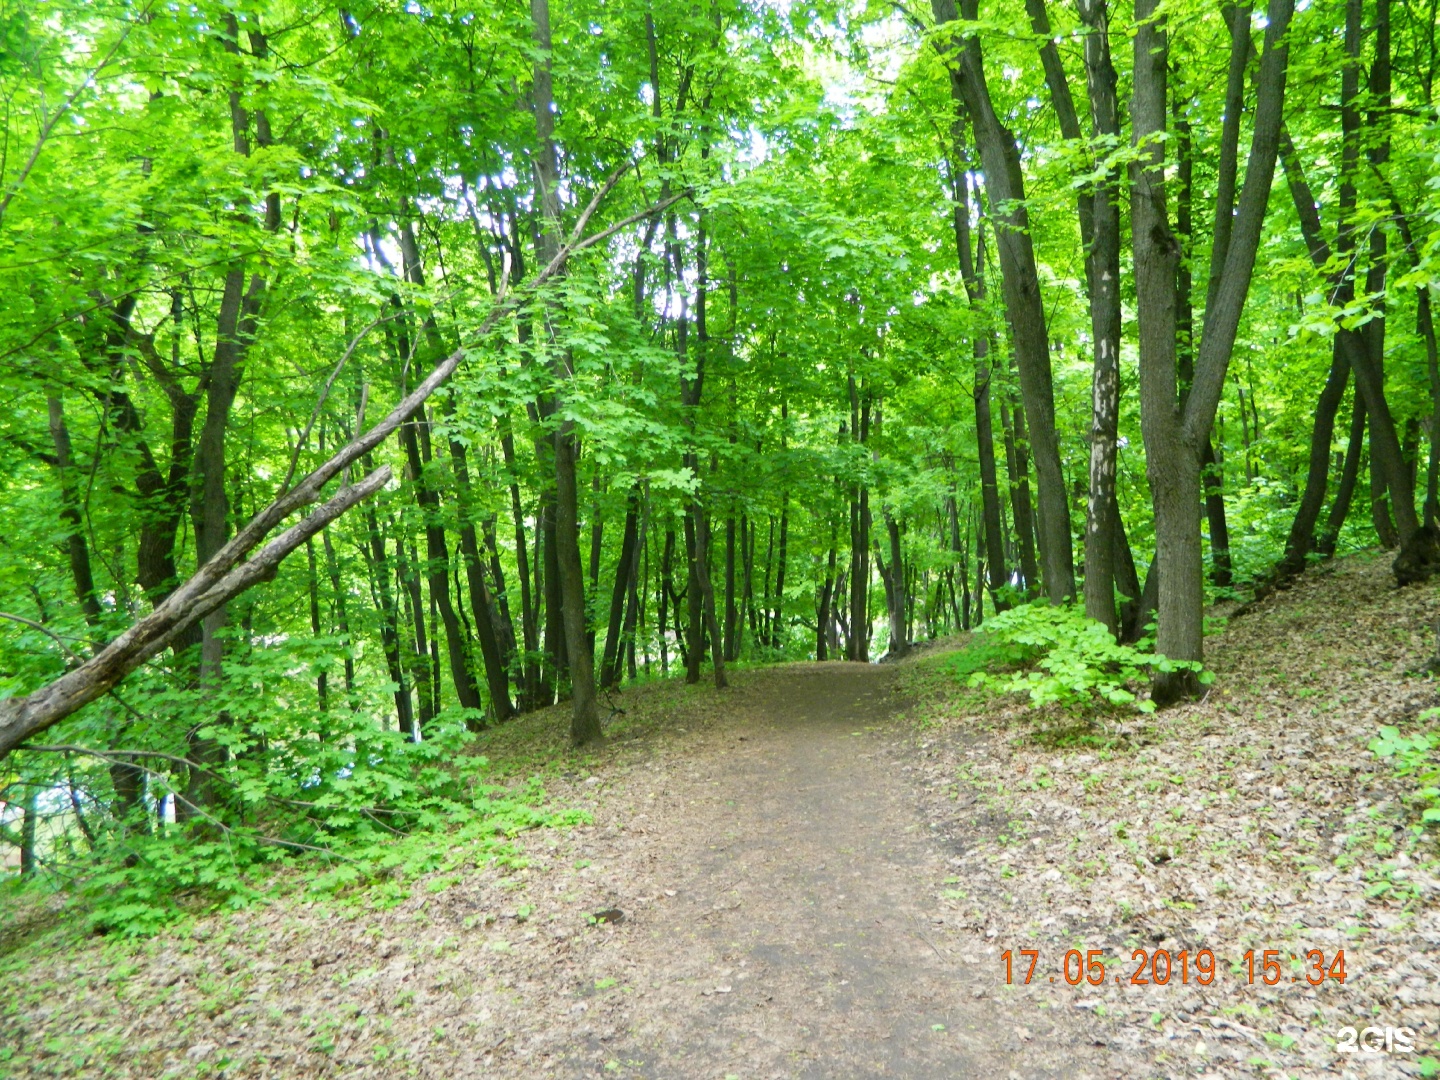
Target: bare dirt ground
(798,941)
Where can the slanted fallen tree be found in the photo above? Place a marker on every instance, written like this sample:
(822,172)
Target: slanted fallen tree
(229,572)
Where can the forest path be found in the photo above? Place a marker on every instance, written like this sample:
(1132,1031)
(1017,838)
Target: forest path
(781,928)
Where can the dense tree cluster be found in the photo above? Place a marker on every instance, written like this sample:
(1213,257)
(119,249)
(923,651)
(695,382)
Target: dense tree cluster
(754,332)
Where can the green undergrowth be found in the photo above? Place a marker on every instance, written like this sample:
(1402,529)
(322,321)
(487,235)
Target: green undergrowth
(355,820)
(1064,664)
(1072,661)
(1415,758)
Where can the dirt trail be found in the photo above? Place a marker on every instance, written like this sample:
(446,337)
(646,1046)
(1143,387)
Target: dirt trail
(796,942)
(778,877)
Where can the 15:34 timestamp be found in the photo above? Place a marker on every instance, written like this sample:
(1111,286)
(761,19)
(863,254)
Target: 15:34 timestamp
(1157,967)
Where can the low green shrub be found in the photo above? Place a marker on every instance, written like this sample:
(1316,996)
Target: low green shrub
(1068,659)
(1414,757)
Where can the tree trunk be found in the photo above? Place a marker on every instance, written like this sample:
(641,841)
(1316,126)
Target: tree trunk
(437,562)
(1302,530)
(210,506)
(534,690)
(1386,457)
(896,592)
(322,687)
(1349,475)
(1174,436)
(1103,265)
(389,625)
(422,673)
(732,612)
(482,603)
(777,613)
(857,643)
(611,660)
(666,556)
(585,716)
(972,273)
(823,617)
(1172,467)
(1000,159)
(342,618)
(1017,464)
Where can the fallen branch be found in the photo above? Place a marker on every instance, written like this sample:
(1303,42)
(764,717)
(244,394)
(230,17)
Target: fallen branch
(225,576)
(207,589)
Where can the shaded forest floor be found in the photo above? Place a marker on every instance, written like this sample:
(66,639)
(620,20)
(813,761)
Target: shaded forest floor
(815,873)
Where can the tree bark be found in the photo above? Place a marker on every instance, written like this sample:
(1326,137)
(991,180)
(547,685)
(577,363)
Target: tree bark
(857,641)
(1103,264)
(1172,467)
(972,274)
(379,568)
(1000,158)
(610,665)
(1174,436)
(422,674)
(1386,457)
(896,593)
(1301,539)
(585,715)
(437,568)
(1349,475)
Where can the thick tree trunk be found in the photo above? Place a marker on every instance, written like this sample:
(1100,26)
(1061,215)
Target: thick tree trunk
(1212,476)
(1173,436)
(210,506)
(585,714)
(1173,467)
(1103,265)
